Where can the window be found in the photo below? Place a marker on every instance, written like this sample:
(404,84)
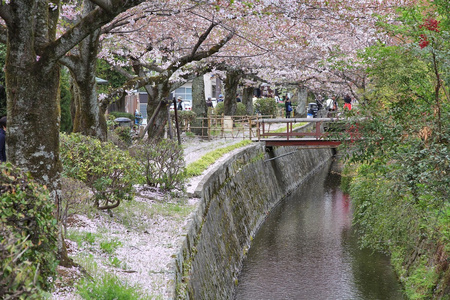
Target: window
(185,93)
(143,110)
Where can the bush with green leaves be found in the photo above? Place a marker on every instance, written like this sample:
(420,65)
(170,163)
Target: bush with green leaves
(28,235)
(108,171)
(122,114)
(124,133)
(241,110)
(185,117)
(219,108)
(163,162)
(266,106)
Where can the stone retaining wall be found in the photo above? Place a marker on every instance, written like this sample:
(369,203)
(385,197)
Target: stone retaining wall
(235,199)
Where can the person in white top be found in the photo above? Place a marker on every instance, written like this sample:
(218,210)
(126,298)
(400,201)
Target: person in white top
(329,104)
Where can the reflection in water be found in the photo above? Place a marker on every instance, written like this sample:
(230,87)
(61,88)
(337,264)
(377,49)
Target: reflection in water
(307,249)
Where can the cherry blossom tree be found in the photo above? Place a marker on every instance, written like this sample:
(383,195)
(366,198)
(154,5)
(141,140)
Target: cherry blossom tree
(163,58)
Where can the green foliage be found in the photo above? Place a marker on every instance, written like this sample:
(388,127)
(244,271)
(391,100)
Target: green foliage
(184,116)
(109,172)
(400,193)
(115,262)
(124,134)
(66,99)
(388,219)
(241,110)
(109,287)
(421,281)
(122,114)
(82,238)
(110,246)
(163,163)
(16,276)
(196,168)
(28,236)
(2,80)
(266,106)
(105,71)
(219,108)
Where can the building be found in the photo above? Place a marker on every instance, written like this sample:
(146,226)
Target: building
(139,100)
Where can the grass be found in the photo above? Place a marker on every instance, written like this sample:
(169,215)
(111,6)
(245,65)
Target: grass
(131,213)
(196,168)
(82,237)
(108,287)
(172,209)
(110,246)
(283,129)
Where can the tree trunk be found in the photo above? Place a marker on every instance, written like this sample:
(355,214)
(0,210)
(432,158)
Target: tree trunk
(231,84)
(247,99)
(33,111)
(199,106)
(158,93)
(89,119)
(33,106)
(302,99)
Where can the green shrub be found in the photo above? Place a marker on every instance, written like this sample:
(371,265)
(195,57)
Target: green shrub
(163,163)
(266,106)
(122,114)
(28,235)
(108,171)
(185,117)
(219,108)
(240,109)
(124,134)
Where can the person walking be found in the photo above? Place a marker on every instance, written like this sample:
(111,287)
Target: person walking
(288,107)
(3,139)
(348,102)
(180,103)
(209,102)
(330,105)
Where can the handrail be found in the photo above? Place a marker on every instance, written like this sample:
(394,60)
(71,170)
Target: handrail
(298,120)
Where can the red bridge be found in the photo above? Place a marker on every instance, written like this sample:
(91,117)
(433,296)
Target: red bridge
(316,136)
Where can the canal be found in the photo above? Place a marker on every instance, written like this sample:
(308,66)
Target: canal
(307,249)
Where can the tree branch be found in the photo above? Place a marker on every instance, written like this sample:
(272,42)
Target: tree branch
(203,37)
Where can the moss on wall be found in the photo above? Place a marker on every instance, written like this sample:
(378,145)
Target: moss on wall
(235,199)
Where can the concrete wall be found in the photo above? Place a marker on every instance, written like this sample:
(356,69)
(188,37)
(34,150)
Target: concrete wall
(235,199)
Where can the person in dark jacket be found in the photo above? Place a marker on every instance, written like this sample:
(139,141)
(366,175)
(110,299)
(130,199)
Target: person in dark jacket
(3,139)
(209,102)
(288,106)
(180,103)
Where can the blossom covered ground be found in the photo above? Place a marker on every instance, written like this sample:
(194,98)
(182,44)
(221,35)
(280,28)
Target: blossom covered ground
(138,241)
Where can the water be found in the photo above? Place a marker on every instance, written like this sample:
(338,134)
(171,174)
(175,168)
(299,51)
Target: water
(307,249)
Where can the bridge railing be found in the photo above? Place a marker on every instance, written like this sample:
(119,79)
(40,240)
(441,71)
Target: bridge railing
(317,132)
